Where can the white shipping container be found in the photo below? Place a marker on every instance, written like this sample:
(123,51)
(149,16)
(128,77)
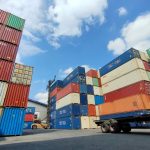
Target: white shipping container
(89,80)
(85,122)
(92,123)
(125,80)
(144,56)
(123,69)
(3,90)
(69,99)
(91,99)
(97,111)
(97,90)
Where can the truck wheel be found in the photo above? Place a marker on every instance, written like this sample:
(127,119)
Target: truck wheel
(126,128)
(105,128)
(115,128)
(34,127)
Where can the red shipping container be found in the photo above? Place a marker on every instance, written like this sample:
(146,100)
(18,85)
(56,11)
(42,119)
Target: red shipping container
(55,91)
(3,16)
(10,35)
(91,110)
(17,95)
(6,68)
(142,87)
(29,117)
(8,51)
(146,65)
(92,73)
(99,82)
(71,88)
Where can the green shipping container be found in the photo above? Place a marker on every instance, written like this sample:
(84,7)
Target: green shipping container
(15,22)
(95,81)
(148,52)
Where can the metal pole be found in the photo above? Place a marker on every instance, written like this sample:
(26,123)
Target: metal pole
(50,82)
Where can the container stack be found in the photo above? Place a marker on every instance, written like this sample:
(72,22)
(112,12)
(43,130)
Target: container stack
(125,84)
(29,117)
(74,100)
(15,79)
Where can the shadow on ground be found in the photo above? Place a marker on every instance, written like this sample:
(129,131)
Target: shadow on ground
(132,141)
(2,138)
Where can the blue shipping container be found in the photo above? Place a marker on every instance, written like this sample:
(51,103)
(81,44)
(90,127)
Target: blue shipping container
(57,83)
(83,99)
(68,123)
(52,124)
(99,100)
(30,110)
(69,110)
(123,58)
(53,100)
(80,79)
(84,110)
(90,89)
(12,121)
(27,125)
(125,115)
(73,74)
(53,115)
(53,107)
(83,88)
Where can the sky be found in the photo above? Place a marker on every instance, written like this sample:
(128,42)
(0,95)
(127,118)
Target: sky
(60,35)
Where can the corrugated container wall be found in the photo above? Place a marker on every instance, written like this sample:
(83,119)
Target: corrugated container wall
(3,16)
(3,89)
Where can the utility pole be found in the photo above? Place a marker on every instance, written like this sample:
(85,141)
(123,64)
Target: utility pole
(50,82)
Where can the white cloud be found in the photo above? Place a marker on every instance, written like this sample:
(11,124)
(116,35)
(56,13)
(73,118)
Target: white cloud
(64,73)
(41,97)
(68,16)
(122,11)
(134,34)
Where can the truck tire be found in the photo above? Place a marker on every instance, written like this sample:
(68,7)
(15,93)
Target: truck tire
(105,128)
(126,128)
(34,127)
(115,128)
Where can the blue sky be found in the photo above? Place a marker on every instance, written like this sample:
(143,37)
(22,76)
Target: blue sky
(60,35)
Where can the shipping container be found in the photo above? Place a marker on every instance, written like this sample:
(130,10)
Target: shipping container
(142,87)
(72,98)
(10,35)
(85,122)
(73,74)
(8,51)
(55,91)
(53,107)
(91,99)
(3,89)
(90,89)
(69,110)
(15,22)
(144,56)
(146,65)
(129,66)
(57,83)
(97,110)
(29,117)
(80,79)
(97,90)
(53,100)
(6,68)
(127,104)
(70,88)
(68,123)
(83,88)
(123,58)
(53,115)
(3,17)
(28,125)
(92,123)
(53,124)
(91,110)
(30,110)
(99,100)
(95,81)
(148,52)
(16,95)
(83,99)
(22,74)
(125,80)
(84,110)
(89,80)
(92,73)
(12,121)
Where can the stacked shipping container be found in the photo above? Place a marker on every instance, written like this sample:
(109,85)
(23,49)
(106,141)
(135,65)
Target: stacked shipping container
(73,100)
(15,79)
(125,85)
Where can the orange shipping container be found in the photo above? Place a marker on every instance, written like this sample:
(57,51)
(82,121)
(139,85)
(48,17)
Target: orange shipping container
(127,104)
(91,110)
(55,91)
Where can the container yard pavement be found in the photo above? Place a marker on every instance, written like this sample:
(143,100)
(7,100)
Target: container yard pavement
(76,140)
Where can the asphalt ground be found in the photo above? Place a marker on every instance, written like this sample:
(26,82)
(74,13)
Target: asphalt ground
(92,139)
